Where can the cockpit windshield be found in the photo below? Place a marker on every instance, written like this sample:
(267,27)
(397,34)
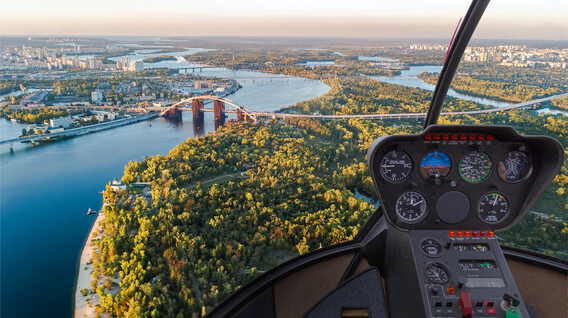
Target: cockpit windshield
(157,157)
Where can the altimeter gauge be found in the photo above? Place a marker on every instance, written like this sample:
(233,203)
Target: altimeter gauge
(411,207)
(492,207)
(437,274)
(474,167)
(395,166)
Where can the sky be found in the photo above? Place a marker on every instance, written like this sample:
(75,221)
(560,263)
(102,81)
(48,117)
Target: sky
(504,19)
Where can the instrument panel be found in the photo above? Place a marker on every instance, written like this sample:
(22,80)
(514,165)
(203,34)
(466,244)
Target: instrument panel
(458,177)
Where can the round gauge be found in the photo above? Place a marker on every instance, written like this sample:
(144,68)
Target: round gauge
(474,167)
(514,167)
(431,247)
(435,164)
(492,207)
(411,207)
(437,274)
(395,166)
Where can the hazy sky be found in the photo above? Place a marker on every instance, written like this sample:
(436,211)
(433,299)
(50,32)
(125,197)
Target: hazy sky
(515,19)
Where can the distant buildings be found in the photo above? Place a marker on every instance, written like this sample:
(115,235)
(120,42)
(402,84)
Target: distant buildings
(518,56)
(509,55)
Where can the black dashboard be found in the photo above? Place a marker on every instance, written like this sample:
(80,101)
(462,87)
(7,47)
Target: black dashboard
(461,177)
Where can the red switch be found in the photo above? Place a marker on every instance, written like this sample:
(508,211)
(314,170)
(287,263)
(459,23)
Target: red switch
(490,308)
(465,304)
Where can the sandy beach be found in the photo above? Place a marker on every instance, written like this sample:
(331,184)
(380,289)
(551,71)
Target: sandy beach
(82,307)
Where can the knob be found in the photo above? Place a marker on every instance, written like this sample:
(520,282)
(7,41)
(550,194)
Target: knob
(434,290)
(462,281)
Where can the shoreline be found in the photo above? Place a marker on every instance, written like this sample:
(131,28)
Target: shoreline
(81,307)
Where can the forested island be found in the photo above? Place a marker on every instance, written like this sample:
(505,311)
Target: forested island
(285,188)
(160,58)
(34,116)
(503,91)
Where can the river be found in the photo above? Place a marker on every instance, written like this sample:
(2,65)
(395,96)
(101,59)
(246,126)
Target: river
(46,190)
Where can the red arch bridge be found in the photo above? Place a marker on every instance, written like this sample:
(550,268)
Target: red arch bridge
(221,106)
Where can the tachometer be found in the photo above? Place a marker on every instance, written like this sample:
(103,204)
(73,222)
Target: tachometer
(395,166)
(514,167)
(435,164)
(474,167)
(492,207)
(411,207)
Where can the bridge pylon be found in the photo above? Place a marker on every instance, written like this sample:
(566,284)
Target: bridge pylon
(197,109)
(219,110)
(240,115)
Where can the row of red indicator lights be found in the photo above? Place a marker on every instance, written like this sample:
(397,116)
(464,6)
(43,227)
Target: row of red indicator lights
(470,233)
(461,137)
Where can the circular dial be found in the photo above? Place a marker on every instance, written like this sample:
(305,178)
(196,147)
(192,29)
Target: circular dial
(492,207)
(411,207)
(437,274)
(474,167)
(431,247)
(514,166)
(395,166)
(435,164)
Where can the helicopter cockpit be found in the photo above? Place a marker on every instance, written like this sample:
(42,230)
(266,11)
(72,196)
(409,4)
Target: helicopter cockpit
(431,248)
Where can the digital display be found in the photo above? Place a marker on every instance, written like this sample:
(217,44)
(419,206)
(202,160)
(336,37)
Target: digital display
(476,265)
(479,282)
(471,247)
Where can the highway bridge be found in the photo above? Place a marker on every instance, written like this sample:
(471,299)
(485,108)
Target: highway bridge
(197,107)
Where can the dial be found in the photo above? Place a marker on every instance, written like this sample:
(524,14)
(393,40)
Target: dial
(474,167)
(514,167)
(437,274)
(492,207)
(435,164)
(396,166)
(411,207)
(431,247)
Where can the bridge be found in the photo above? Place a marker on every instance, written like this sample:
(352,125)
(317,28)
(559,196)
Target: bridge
(245,114)
(193,68)
(197,109)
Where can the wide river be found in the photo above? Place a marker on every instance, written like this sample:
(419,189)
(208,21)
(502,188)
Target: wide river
(46,190)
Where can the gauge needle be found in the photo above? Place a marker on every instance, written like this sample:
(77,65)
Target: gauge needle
(417,203)
(495,201)
(385,166)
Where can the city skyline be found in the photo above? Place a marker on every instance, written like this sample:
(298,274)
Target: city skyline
(504,19)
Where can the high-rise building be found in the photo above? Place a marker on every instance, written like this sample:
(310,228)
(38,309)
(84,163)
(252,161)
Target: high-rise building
(137,66)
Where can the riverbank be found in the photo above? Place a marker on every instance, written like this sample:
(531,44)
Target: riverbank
(84,306)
